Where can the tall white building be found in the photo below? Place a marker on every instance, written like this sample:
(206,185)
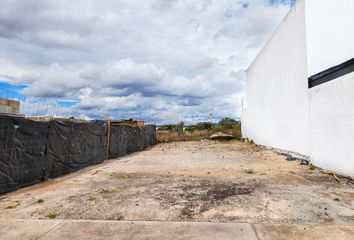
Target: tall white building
(300,88)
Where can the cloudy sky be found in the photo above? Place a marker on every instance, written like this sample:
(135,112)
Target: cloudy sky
(157,60)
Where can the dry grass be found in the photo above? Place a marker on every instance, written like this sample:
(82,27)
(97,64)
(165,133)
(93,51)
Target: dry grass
(249,171)
(171,136)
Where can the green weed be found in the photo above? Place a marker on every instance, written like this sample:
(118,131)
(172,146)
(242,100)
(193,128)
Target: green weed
(52,216)
(312,167)
(40,201)
(249,171)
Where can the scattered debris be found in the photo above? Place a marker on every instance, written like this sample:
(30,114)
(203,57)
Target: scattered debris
(290,158)
(302,161)
(221,136)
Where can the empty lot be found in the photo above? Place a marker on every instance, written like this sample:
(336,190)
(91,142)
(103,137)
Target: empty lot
(191,181)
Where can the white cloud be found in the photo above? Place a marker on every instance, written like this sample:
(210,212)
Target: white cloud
(148,59)
(54,81)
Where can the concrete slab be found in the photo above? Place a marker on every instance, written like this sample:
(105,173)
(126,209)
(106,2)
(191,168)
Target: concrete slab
(119,230)
(26,229)
(150,230)
(122,230)
(305,232)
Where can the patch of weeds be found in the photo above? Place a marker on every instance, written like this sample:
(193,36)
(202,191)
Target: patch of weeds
(247,140)
(52,216)
(337,199)
(312,167)
(14,206)
(40,201)
(118,176)
(249,171)
(126,177)
(238,138)
(105,190)
(91,198)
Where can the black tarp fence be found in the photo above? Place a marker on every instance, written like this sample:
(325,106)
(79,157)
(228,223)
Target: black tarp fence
(72,146)
(125,139)
(32,152)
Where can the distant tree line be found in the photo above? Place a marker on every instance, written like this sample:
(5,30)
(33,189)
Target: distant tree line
(226,123)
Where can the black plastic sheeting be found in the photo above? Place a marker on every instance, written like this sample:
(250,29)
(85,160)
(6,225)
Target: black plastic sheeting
(149,136)
(32,152)
(73,146)
(125,139)
(23,157)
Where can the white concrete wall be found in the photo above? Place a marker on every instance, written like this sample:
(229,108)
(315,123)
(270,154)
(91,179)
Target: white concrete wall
(277,113)
(281,111)
(330,41)
(330,33)
(332,125)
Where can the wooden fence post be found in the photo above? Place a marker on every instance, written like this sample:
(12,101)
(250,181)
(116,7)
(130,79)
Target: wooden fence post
(108,139)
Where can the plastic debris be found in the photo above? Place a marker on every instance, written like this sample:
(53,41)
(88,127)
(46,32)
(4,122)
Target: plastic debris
(290,158)
(301,161)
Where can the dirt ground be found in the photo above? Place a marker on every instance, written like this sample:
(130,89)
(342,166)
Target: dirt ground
(191,181)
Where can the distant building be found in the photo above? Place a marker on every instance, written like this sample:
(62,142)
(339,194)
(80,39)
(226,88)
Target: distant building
(300,88)
(9,107)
